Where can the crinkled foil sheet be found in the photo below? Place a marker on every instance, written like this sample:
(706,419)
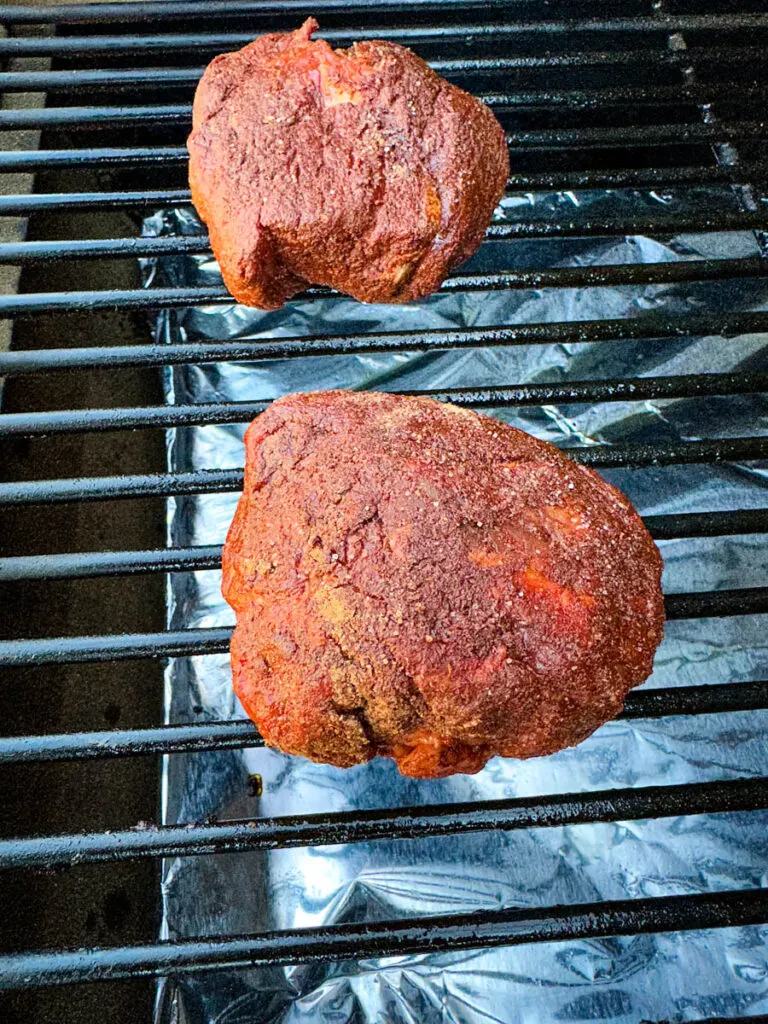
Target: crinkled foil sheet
(674,977)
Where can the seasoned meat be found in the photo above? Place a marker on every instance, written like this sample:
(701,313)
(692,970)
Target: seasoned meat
(360,169)
(415,581)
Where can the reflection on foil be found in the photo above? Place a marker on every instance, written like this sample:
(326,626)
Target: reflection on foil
(675,977)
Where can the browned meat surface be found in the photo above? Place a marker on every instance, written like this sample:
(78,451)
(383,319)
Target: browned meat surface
(415,581)
(360,169)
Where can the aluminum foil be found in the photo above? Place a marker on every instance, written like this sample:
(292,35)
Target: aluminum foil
(674,977)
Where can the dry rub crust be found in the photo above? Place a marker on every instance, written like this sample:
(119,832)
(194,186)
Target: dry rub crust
(415,581)
(360,169)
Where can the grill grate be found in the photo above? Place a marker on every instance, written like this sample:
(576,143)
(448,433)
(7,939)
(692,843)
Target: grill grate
(234,735)
(120,76)
(395,938)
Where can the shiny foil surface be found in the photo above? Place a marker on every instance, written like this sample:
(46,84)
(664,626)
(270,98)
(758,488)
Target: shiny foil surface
(671,977)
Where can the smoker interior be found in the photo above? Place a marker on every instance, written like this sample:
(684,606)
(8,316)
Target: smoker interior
(43,908)
(626,95)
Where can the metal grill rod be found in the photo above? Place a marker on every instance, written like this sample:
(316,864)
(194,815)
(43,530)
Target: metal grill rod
(726,56)
(114,647)
(121,248)
(696,700)
(740,175)
(181,113)
(660,25)
(214,481)
(143,11)
(716,603)
(632,136)
(149,485)
(704,524)
(728,325)
(398,823)
(612,275)
(102,248)
(638,389)
(637,177)
(164,739)
(758,1019)
(635,135)
(215,640)
(480,930)
(112,156)
(34,202)
(707,699)
(86,564)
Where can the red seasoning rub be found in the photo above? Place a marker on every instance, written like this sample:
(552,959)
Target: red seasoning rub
(360,169)
(412,580)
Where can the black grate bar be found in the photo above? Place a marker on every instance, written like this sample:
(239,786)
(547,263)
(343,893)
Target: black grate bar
(114,647)
(480,930)
(628,178)
(216,481)
(635,135)
(398,823)
(563,333)
(705,524)
(116,78)
(167,42)
(22,204)
(637,177)
(717,603)
(31,252)
(696,700)
(734,221)
(85,80)
(112,156)
(639,389)
(613,275)
(96,116)
(145,11)
(215,640)
(757,1019)
(733,449)
(92,248)
(149,485)
(164,739)
(546,139)
(230,735)
(86,564)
